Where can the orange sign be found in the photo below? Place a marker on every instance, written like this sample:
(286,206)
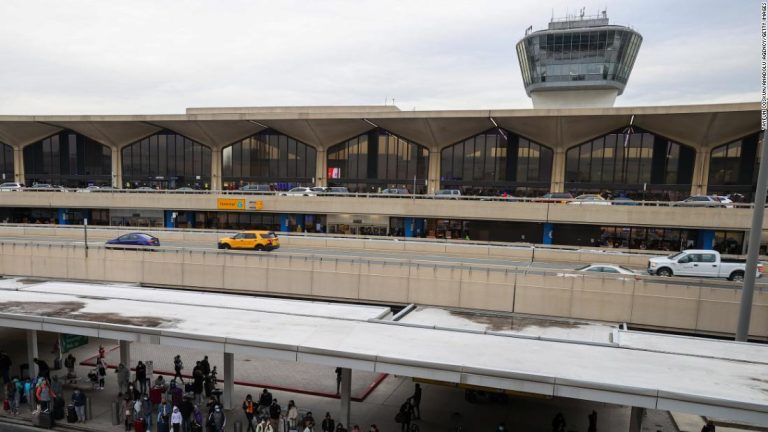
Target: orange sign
(230,204)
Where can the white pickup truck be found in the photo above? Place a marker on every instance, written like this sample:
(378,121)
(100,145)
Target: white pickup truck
(699,263)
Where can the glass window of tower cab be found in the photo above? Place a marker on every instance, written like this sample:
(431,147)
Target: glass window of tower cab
(633,163)
(268,158)
(68,159)
(378,160)
(166,160)
(495,162)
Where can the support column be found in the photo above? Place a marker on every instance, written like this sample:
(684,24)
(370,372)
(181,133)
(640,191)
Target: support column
(321,168)
(32,352)
(229,380)
(558,171)
(216,182)
(345,396)
(433,174)
(117,169)
(170,221)
(700,180)
(125,353)
(410,226)
(18,165)
(548,229)
(62,217)
(636,419)
(706,239)
(284,222)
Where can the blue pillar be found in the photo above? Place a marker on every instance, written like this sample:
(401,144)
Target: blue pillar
(419,228)
(284,222)
(706,239)
(300,222)
(410,227)
(169,222)
(62,217)
(548,230)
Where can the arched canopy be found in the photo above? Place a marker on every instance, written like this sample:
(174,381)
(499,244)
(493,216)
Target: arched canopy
(733,166)
(631,162)
(377,160)
(167,160)
(68,159)
(268,157)
(496,161)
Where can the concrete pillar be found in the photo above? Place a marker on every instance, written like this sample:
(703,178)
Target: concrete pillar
(117,168)
(18,165)
(321,168)
(700,180)
(636,419)
(706,239)
(62,216)
(433,174)
(229,380)
(170,221)
(216,182)
(125,353)
(410,226)
(32,352)
(284,219)
(558,171)
(345,410)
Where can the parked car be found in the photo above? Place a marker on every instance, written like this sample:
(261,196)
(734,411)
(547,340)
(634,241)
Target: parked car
(623,201)
(256,188)
(699,263)
(300,191)
(607,268)
(590,199)
(395,191)
(135,239)
(11,186)
(448,194)
(259,240)
(89,189)
(336,190)
(557,197)
(45,187)
(700,201)
(725,201)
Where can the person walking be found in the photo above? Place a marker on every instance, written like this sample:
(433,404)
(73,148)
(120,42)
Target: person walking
(127,412)
(78,400)
(69,363)
(205,365)
(274,413)
(164,412)
(197,420)
(404,417)
(328,425)
(141,377)
(338,379)
(198,381)
(249,409)
(265,401)
(10,396)
(45,395)
(293,415)
(176,420)
(123,379)
(101,366)
(592,417)
(146,412)
(178,366)
(217,421)
(416,401)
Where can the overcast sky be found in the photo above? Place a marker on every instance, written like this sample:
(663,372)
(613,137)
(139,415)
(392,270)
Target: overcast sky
(150,56)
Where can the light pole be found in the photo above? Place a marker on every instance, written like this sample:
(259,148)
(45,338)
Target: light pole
(755,235)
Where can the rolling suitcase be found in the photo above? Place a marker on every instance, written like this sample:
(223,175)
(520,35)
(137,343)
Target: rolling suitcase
(59,408)
(71,414)
(43,420)
(139,425)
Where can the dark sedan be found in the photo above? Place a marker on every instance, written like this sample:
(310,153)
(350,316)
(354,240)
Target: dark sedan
(135,239)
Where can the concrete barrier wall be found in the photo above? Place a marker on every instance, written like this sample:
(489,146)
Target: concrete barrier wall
(637,301)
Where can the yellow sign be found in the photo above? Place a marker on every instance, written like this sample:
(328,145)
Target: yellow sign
(259,205)
(230,204)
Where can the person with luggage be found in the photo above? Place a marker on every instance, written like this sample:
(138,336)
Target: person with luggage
(127,412)
(328,424)
(175,393)
(45,395)
(176,420)
(249,409)
(186,408)
(178,366)
(141,377)
(197,420)
(146,412)
(404,417)
(78,401)
(293,415)
(217,421)
(274,413)
(69,363)
(164,412)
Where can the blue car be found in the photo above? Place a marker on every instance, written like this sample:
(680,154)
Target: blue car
(135,239)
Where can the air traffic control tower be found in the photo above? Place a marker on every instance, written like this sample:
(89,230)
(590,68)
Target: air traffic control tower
(579,61)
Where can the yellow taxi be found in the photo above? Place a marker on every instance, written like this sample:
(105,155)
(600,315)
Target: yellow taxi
(258,240)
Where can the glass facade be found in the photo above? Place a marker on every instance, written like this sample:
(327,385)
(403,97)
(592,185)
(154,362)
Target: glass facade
(378,160)
(6,162)
(167,160)
(578,56)
(733,168)
(268,157)
(494,162)
(68,159)
(636,164)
